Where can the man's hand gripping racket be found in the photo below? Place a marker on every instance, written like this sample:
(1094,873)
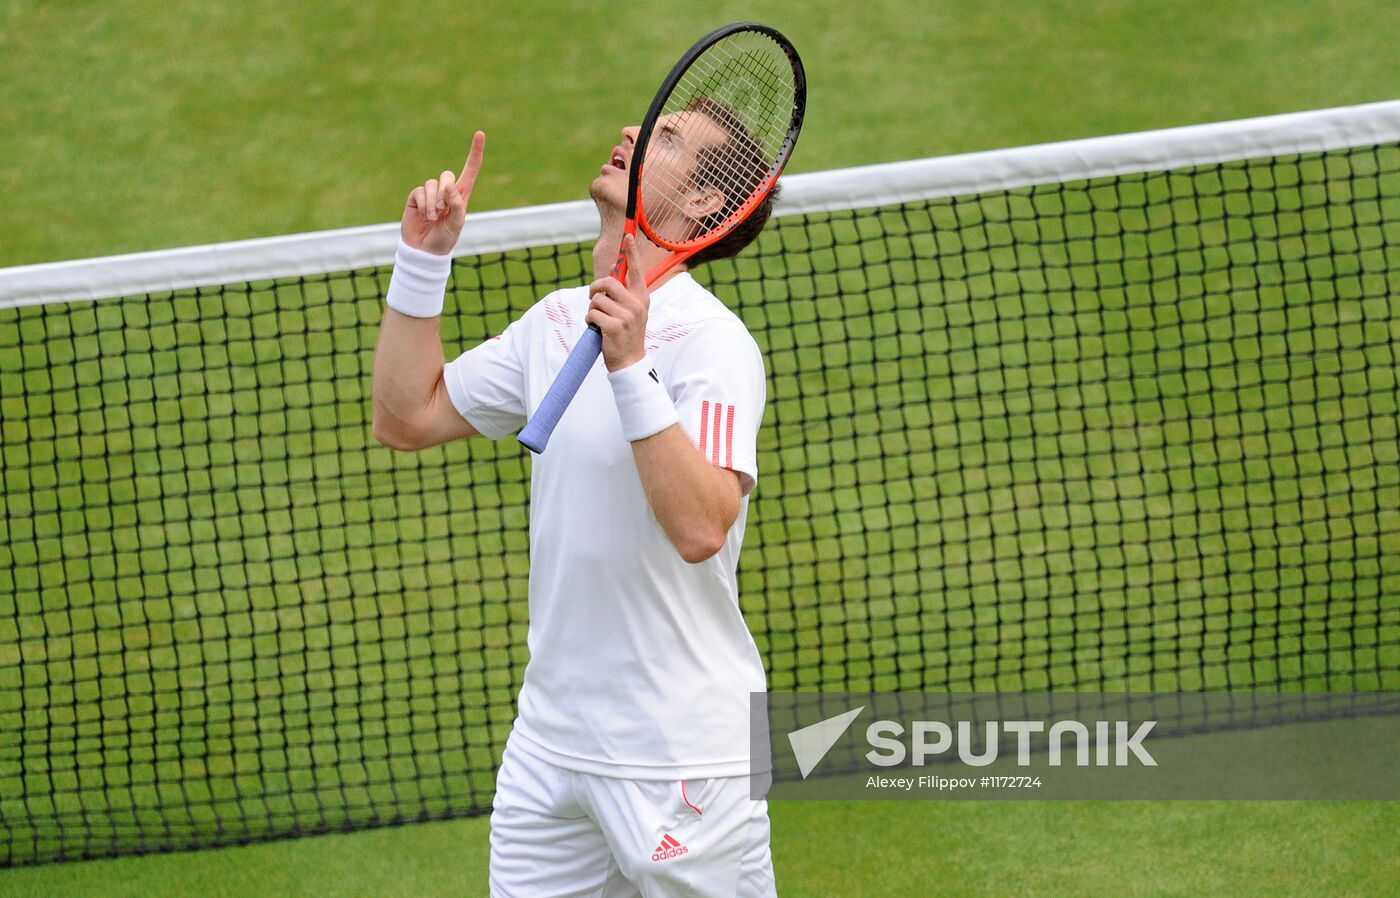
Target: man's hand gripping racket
(710,149)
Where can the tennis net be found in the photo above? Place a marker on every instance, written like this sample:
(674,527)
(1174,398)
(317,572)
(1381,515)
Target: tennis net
(1104,415)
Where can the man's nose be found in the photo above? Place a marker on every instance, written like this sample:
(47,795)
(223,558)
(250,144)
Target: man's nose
(630,133)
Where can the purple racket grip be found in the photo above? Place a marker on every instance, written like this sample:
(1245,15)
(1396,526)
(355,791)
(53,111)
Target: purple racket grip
(536,433)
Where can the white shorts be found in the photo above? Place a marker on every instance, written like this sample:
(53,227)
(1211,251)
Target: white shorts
(557,833)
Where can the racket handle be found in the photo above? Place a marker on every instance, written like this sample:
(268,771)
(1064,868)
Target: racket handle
(536,433)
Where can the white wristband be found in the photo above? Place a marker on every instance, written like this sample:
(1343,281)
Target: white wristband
(419,282)
(642,402)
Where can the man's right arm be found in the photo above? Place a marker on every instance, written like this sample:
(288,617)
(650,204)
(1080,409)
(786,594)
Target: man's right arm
(411,406)
(412,409)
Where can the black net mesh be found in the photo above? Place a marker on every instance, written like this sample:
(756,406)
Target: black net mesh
(1131,433)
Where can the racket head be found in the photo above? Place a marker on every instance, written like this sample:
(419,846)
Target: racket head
(716,136)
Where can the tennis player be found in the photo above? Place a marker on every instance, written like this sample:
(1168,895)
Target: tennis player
(626,772)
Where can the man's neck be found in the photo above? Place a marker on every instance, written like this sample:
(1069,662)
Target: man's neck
(610,240)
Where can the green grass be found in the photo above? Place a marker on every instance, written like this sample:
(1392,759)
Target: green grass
(196,514)
(126,128)
(927,849)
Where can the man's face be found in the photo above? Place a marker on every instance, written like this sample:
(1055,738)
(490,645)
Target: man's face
(673,203)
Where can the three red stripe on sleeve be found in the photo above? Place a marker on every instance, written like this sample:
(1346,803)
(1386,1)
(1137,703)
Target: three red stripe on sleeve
(716,428)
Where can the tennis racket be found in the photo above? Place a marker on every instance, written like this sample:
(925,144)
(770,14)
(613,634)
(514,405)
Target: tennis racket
(740,93)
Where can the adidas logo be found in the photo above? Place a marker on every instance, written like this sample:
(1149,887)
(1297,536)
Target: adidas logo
(668,848)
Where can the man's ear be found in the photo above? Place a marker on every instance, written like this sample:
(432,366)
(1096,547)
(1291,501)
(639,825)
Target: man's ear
(704,203)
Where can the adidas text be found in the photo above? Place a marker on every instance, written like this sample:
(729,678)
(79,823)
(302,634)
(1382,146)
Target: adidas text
(669,853)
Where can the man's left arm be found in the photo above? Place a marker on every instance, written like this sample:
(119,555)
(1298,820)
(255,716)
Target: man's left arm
(693,485)
(694,501)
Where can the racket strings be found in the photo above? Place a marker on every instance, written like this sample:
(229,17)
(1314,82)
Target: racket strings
(722,132)
(746,91)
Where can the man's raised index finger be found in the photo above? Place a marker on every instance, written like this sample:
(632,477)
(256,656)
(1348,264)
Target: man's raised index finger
(473,164)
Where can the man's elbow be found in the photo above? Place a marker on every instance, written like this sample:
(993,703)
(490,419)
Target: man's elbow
(396,436)
(701,544)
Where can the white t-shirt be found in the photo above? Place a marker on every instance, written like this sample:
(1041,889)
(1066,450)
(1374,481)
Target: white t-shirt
(641,664)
